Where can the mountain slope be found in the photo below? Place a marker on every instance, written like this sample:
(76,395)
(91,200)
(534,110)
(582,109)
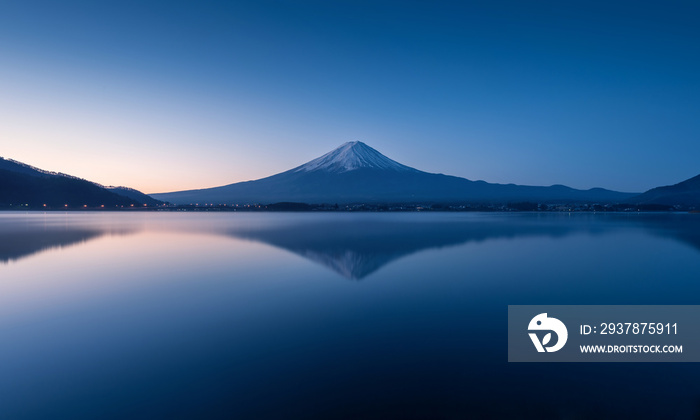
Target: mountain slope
(27,185)
(686,193)
(135,195)
(357,173)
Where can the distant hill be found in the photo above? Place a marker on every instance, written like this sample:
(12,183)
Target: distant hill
(22,184)
(686,193)
(135,195)
(357,173)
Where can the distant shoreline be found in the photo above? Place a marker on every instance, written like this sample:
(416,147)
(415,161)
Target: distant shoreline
(526,207)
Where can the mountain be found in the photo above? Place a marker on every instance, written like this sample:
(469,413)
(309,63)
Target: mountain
(357,173)
(22,184)
(686,193)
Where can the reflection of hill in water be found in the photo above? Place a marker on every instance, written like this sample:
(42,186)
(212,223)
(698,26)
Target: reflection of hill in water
(17,242)
(357,248)
(681,227)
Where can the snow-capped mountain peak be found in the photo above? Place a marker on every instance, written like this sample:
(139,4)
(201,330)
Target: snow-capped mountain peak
(351,156)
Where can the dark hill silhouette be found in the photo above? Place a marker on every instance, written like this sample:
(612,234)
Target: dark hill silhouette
(135,195)
(686,193)
(22,184)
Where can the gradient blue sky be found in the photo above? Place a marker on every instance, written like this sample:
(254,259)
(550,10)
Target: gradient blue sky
(169,95)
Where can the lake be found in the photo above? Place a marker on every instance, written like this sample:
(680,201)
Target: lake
(149,315)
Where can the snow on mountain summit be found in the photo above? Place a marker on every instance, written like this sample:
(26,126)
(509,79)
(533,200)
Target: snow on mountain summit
(351,156)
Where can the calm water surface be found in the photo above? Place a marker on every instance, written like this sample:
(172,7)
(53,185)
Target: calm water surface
(327,316)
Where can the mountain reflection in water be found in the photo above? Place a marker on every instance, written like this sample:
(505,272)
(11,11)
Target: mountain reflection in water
(355,246)
(230,315)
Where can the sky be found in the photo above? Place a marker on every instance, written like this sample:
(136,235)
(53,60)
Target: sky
(172,95)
